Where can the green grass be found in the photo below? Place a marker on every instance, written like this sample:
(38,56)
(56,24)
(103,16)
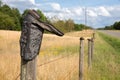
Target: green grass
(113,41)
(106,62)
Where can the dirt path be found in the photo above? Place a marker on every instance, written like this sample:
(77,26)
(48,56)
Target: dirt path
(112,33)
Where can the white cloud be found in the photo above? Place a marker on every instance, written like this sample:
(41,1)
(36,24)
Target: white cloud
(77,11)
(21,4)
(32,1)
(92,13)
(103,11)
(19,1)
(66,10)
(55,6)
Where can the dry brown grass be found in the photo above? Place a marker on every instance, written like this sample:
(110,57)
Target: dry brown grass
(63,69)
(84,33)
(52,48)
(9,41)
(9,52)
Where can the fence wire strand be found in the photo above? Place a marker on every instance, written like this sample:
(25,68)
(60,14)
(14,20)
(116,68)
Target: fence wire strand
(45,63)
(17,77)
(54,60)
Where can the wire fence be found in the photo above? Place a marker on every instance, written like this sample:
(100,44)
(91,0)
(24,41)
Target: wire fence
(66,76)
(55,60)
(74,68)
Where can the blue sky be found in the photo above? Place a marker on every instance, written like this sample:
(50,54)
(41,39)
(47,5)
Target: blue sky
(87,3)
(99,12)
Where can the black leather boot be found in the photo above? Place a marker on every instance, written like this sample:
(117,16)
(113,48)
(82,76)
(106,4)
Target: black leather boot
(32,33)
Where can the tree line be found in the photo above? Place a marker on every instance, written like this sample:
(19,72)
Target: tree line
(69,25)
(115,26)
(11,19)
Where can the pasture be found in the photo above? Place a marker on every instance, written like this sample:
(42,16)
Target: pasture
(59,57)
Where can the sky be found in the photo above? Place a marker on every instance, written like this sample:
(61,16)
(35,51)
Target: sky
(99,13)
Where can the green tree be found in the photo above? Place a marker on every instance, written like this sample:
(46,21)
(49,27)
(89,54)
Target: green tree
(42,16)
(60,24)
(14,14)
(6,22)
(116,25)
(17,18)
(25,12)
(69,25)
(1,3)
(6,10)
(77,27)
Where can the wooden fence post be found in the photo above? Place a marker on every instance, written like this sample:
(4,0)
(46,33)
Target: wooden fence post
(28,70)
(81,59)
(89,53)
(30,42)
(92,47)
(94,35)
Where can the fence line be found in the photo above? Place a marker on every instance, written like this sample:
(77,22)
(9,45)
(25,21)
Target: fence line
(81,58)
(49,62)
(54,60)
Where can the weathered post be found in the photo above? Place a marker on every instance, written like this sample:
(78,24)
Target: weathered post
(89,53)
(92,47)
(93,35)
(81,59)
(28,70)
(30,42)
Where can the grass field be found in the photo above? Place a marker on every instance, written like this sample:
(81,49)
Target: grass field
(52,48)
(105,66)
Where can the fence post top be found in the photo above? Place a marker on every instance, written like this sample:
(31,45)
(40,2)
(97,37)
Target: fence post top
(92,39)
(89,39)
(81,38)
